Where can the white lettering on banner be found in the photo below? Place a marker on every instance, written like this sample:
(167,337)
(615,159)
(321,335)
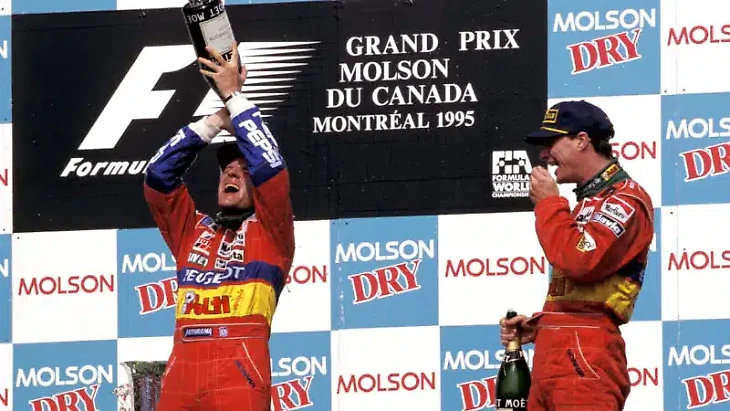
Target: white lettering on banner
(699,35)
(405,96)
(148,263)
(476,360)
(5,268)
(365,383)
(612,19)
(390,71)
(4,50)
(50,376)
(477,267)
(135,98)
(81,168)
(299,366)
(699,260)
(403,44)
(488,40)
(698,128)
(635,150)
(390,250)
(699,355)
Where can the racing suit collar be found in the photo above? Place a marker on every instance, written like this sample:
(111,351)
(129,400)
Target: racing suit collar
(610,175)
(232,220)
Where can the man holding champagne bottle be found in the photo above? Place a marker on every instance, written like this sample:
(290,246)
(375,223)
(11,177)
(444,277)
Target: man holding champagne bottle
(231,268)
(598,252)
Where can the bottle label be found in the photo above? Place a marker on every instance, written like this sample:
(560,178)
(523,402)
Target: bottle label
(511,404)
(218,34)
(510,356)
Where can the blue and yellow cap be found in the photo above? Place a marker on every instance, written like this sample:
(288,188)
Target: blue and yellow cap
(570,118)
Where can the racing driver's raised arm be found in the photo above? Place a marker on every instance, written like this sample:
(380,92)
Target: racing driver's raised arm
(269,175)
(168,199)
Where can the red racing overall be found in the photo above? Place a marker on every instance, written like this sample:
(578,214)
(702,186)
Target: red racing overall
(598,254)
(229,281)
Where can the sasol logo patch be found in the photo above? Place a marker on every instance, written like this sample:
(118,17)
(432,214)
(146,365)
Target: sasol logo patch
(586,243)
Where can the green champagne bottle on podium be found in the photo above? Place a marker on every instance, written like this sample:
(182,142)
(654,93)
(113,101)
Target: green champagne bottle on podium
(513,378)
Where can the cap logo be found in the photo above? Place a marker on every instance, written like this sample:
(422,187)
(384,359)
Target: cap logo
(551,116)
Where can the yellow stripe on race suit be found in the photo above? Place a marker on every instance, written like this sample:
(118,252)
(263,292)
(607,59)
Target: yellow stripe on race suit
(616,292)
(226,301)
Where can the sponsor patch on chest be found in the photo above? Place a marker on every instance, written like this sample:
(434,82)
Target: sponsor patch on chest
(616,228)
(584,215)
(617,209)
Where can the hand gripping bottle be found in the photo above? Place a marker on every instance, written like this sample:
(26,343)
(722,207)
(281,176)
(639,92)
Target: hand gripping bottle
(513,378)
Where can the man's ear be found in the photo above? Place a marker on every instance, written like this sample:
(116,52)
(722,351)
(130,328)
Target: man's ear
(583,141)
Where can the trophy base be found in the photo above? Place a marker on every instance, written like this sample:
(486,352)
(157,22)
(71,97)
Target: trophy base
(142,392)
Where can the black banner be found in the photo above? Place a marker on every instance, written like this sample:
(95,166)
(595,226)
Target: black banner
(380,108)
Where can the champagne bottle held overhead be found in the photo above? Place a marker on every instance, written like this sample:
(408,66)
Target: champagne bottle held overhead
(208,25)
(513,379)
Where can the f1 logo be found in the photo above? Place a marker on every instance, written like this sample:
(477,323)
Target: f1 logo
(511,162)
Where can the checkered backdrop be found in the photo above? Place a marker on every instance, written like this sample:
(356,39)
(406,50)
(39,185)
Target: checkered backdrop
(343,340)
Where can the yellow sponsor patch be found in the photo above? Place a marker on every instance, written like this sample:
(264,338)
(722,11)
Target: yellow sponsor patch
(586,243)
(224,302)
(551,116)
(616,292)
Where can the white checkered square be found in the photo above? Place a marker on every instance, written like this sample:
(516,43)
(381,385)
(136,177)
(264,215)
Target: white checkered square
(386,369)
(694,46)
(489,263)
(695,263)
(64,284)
(308,284)
(645,362)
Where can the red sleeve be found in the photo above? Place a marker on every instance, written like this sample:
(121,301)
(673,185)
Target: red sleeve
(174,214)
(272,202)
(604,244)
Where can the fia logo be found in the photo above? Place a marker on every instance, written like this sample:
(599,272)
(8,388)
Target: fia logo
(510,174)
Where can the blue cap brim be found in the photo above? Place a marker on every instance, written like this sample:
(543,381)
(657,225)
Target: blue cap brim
(541,136)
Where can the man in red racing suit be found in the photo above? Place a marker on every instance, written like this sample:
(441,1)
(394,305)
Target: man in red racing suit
(231,268)
(598,254)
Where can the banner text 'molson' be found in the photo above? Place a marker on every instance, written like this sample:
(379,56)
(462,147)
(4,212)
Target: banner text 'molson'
(87,284)
(366,383)
(477,267)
